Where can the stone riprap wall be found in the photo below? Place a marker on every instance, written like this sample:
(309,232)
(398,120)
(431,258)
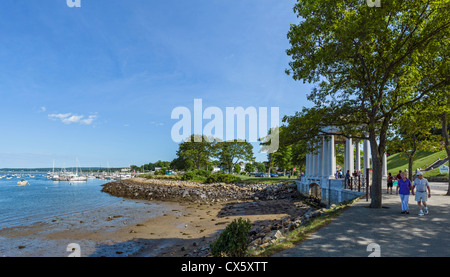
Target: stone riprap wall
(179,191)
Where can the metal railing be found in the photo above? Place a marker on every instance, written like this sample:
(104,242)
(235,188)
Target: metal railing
(359,183)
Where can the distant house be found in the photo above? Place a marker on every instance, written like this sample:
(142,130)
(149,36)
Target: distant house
(216,169)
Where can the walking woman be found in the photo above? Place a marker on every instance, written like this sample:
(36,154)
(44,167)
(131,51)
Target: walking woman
(403,188)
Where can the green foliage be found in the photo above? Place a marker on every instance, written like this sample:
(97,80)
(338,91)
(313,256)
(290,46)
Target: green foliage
(249,167)
(233,241)
(237,168)
(230,152)
(261,167)
(188,176)
(161,177)
(220,177)
(195,152)
(196,176)
(368,65)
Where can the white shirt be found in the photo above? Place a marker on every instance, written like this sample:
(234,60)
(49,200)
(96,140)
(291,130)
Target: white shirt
(421,185)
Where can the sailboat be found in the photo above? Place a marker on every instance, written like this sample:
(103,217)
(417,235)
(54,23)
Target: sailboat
(52,175)
(77,178)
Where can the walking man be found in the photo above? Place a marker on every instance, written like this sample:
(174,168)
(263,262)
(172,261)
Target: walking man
(421,194)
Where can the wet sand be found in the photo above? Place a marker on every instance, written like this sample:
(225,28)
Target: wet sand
(139,229)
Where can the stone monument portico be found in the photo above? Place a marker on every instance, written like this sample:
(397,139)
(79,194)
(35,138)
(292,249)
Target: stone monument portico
(320,180)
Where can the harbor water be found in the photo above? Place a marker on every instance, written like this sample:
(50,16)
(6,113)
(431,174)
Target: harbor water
(33,217)
(44,198)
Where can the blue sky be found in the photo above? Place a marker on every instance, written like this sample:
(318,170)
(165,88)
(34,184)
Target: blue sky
(99,83)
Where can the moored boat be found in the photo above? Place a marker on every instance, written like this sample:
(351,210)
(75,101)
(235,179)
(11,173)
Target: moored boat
(22,183)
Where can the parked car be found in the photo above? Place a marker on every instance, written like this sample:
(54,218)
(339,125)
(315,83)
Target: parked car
(273,175)
(260,174)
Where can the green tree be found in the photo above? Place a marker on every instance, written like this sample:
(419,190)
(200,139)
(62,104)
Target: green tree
(237,168)
(249,167)
(261,167)
(284,159)
(441,109)
(199,152)
(181,163)
(411,131)
(230,152)
(367,64)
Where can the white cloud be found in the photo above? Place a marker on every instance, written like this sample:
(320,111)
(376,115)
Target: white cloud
(157,123)
(69,118)
(43,109)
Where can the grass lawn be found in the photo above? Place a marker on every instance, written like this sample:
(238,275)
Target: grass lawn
(435,172)
(399,161)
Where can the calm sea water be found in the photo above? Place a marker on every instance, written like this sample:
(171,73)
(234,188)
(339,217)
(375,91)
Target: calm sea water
(44,199)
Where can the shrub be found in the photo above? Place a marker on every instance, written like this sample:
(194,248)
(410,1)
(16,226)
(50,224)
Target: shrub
(233,241)
(202,172)
(192,176)
(188,176)
(220,177)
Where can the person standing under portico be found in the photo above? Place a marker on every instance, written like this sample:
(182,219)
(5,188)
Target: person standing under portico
(421,193)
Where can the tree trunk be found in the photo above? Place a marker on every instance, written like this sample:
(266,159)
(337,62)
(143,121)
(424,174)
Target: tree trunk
(411,156)
(410,164)
(377,178)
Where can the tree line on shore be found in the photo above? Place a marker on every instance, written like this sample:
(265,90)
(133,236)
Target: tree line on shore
(201,153)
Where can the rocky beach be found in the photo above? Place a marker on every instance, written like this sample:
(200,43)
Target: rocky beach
(206,209)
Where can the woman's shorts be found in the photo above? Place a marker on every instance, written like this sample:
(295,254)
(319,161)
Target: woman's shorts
(421,196)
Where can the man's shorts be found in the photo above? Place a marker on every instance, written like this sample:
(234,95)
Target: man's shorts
(421,196)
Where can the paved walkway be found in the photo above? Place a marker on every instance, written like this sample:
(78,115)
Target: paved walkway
(398,235)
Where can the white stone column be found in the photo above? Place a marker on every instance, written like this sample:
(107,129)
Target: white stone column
(384,168)
(358,156)
(306,165)
(349,160)
(352,158)
(325,158)
(366,151)
(310,165)
(320,161)
(346,156)
(313,165)
(316,165)
(331,156)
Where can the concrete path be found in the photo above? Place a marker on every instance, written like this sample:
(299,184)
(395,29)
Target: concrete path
(398,235)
